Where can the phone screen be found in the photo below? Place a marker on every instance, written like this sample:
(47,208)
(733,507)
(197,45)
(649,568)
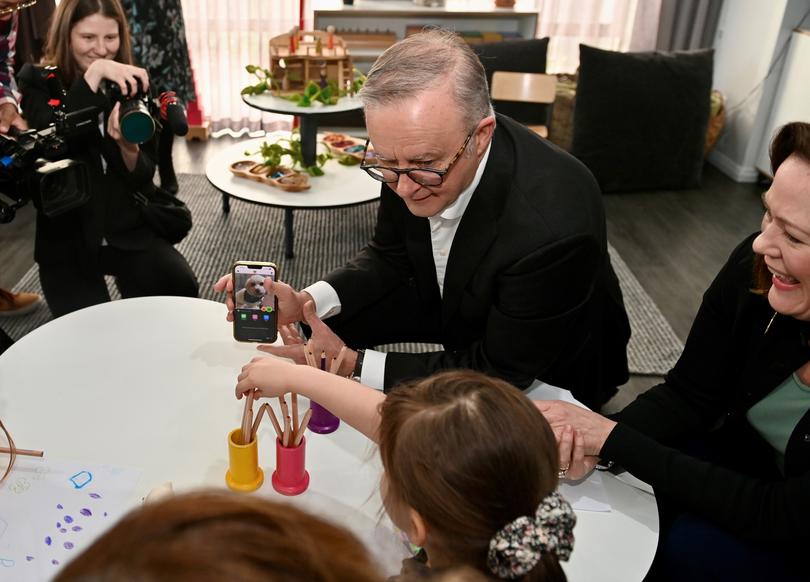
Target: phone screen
(254,314)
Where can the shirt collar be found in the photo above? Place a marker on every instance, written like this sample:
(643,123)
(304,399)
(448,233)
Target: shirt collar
(457,208)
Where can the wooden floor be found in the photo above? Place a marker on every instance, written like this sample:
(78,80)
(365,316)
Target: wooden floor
(674,242)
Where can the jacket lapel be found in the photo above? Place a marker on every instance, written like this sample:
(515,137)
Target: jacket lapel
(479,225)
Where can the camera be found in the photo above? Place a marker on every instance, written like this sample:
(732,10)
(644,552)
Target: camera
(137,124)
(33,163)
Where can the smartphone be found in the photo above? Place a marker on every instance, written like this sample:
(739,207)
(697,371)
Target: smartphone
(255,307)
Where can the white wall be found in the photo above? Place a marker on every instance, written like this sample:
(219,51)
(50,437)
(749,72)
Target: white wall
(748,33)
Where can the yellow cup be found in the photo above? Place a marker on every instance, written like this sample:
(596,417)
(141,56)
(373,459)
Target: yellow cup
(244,473)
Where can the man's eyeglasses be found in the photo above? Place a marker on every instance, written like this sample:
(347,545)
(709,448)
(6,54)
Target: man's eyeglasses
(422,176)
(17,7)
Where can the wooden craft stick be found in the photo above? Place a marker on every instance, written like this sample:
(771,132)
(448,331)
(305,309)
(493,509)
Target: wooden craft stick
(247,418)
(323,361)
(299,434)
(262,409)
(276,425)
(333,369)
(294,399)
(24,452)
(309,356)
(287,430)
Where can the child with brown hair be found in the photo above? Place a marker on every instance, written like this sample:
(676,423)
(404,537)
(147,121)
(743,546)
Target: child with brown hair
(215,535)
(470,466)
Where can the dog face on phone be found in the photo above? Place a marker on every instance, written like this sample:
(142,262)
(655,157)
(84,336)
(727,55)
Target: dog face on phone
(251,296)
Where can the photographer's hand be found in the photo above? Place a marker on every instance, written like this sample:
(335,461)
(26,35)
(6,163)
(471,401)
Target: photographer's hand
(129,151)
(125,76)
(10,117)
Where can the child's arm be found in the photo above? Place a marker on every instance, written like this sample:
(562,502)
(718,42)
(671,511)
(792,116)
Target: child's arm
(356,404)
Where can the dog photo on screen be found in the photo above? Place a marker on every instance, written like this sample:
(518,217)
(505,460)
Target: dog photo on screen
(251,292)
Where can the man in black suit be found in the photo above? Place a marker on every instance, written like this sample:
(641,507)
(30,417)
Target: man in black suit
(489,240)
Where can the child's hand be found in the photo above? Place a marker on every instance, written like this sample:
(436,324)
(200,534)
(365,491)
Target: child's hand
(267,377)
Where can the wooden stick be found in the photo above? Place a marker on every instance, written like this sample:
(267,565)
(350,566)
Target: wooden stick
(299,433)
(287,431)
(294,399)
(276,425)
(25,452)
(333,369)
(262,409)
(247,418)
(323,360)
(309,356)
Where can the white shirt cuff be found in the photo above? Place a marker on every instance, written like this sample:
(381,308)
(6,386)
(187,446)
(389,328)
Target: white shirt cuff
(327,302)
(373,372)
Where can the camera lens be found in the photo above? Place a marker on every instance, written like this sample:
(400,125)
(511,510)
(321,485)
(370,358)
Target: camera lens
(137,125)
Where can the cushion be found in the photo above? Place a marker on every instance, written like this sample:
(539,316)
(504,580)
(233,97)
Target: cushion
(518,56)
(640,118)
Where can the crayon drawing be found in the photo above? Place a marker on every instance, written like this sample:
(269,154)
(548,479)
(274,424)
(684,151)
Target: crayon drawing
(50,511)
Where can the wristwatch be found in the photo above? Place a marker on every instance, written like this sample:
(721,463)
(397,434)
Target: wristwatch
(358,365)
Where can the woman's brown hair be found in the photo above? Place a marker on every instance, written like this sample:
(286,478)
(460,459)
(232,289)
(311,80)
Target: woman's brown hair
(68,13)
(791,139)
(470,454)
(217,535)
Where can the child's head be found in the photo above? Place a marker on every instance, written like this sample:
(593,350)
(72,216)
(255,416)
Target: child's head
(209,536)
(470,455)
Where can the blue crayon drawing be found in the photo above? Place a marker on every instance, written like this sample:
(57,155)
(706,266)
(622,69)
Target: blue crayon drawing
(68,519)
(81,479)
(94,495)
(86,512)
(6,562)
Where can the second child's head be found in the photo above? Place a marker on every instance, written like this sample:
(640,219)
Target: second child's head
(470,474)
(83,31)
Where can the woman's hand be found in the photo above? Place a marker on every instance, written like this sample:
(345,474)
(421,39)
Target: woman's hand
(574,463)
(129,151)
(123,75)
(591,426)
(267,377)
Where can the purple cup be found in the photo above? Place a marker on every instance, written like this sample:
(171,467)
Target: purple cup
(322,421)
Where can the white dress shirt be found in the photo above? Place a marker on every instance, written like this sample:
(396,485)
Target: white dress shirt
(443,228)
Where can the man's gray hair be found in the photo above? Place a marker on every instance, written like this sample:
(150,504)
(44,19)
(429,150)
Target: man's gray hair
(428,60)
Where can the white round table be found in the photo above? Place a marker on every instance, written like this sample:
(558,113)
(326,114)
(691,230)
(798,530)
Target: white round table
(339,186)
(149,382)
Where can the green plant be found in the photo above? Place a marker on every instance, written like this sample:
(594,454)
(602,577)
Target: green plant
(273,154)
(265,83)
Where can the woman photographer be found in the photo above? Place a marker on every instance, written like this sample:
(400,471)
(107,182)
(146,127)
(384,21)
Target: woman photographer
(89,43)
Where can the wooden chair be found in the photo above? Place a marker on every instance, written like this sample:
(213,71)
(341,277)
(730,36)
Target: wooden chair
(526,88)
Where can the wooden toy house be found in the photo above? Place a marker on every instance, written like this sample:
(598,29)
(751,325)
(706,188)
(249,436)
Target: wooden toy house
(296,58)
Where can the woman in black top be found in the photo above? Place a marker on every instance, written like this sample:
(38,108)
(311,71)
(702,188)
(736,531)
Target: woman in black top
(89,42)
(725,440)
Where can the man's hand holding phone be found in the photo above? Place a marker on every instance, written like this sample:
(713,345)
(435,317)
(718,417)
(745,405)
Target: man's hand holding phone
(290,302)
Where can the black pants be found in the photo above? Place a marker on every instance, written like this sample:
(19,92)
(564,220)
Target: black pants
(158,270)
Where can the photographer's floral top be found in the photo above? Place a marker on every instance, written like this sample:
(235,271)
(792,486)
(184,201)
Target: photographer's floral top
(8,35)
(159,44)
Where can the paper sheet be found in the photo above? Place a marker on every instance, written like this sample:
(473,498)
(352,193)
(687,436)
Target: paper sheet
(50,511)
(586,495)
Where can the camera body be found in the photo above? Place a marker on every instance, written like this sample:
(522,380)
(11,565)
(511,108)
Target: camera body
(135,119)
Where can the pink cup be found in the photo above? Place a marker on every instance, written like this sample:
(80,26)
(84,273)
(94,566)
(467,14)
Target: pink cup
(290,476)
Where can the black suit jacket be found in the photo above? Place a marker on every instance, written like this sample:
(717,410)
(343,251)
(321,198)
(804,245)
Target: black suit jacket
(529,291)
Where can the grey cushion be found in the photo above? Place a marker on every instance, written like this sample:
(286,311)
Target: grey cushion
(640,118)
(519,56)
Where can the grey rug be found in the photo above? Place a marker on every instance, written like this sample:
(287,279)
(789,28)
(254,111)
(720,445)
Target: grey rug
(324,240)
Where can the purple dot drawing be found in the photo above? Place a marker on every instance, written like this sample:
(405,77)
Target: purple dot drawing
(55,562)
(62,530)
(105,514)
(68,545)
(68,519)
(76,528)
(59,506)
(58,525)
(86,512)
(48,540)
(94,495)
(81,479)
(29,558)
